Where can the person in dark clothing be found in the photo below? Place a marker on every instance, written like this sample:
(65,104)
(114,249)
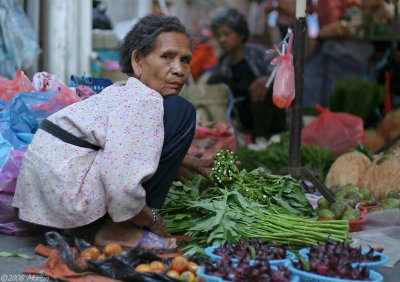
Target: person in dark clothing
(246,67)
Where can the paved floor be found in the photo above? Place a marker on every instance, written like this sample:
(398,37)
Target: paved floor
(11,267)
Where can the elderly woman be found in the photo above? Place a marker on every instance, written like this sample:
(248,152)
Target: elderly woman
(245,67)
(107,162)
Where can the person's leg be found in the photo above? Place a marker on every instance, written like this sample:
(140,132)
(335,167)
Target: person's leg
(267,118)
(179,128)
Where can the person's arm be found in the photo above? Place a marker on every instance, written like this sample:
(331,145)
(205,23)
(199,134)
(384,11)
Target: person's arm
(200,165)
(257,89)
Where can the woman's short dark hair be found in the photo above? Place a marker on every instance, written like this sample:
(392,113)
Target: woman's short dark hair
(143,36)
(234,19)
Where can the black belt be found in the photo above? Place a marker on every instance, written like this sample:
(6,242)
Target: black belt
(65,136)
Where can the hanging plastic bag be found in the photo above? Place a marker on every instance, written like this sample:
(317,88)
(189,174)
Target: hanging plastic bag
(337,132)
(8,88)
(284,90)
(64,97)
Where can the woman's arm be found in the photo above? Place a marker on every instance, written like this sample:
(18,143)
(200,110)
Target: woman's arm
(200,165)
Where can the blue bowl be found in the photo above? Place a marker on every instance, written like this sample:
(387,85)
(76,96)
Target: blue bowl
(289,256)
(211,278)
(305,276)
(375,265)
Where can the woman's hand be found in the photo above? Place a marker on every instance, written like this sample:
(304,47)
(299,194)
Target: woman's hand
(159,227)
(257,89)
(200,165)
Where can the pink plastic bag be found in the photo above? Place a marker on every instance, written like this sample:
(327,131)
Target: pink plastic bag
(335,131)
(64,97)
(8,88)
(284,91)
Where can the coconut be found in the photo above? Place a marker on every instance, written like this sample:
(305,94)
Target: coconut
(374,140)
(383,176)
(349,168)
(389,127)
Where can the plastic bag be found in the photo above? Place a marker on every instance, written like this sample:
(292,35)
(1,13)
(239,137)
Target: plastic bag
(337,132)
(19,46)
(284,90)
(64,97)
(44,81)
(121,267)
(8,88)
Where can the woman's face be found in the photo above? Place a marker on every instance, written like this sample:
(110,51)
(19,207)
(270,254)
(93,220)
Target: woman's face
(228,39)
(166,69)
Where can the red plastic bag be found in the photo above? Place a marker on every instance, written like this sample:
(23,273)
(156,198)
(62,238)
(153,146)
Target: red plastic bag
(335,131)
(64,97)
(284,91)
(20,83)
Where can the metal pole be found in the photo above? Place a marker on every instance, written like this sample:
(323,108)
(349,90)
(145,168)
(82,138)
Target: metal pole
(299,58)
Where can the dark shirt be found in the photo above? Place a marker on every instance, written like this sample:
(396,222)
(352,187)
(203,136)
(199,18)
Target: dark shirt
(242,78)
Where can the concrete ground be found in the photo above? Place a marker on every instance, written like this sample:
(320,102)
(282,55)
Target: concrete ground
(11,267)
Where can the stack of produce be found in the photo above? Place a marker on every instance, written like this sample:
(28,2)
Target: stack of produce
(380,175)
(244,271)
(255,249)
(392,201)
(346,200)
(245,205)
(179,268)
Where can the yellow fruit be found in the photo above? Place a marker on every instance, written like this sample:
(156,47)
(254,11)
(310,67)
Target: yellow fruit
(179,264)
(199,279)
(188,276)
(102,256)
(90,253)
(158,266)
(173,274)
(143,268)
(193,267)
(112,249)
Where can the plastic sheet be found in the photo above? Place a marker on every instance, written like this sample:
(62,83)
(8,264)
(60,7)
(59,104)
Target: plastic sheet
(64,97)
(381,229)
(121,267)
(8,88)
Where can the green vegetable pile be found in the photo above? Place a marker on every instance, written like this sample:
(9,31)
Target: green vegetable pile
(244,205)
(276,156)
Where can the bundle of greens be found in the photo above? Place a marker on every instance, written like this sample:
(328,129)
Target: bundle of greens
(244,205)
(283,193)
(220,216)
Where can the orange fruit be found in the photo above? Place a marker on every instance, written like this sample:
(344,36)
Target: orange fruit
(173,274)
(179,264)
(157,266)
(90,253)
(143,268)
(112,249)
(199,279)
(102,256)
(193,267)
(81,261)
(188,276)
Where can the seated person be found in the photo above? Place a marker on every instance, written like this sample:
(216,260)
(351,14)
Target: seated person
(245,68)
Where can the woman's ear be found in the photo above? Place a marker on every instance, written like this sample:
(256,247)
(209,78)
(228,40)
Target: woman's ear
(136,64)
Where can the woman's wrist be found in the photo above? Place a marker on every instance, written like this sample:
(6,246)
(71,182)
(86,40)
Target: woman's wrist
(148,226)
